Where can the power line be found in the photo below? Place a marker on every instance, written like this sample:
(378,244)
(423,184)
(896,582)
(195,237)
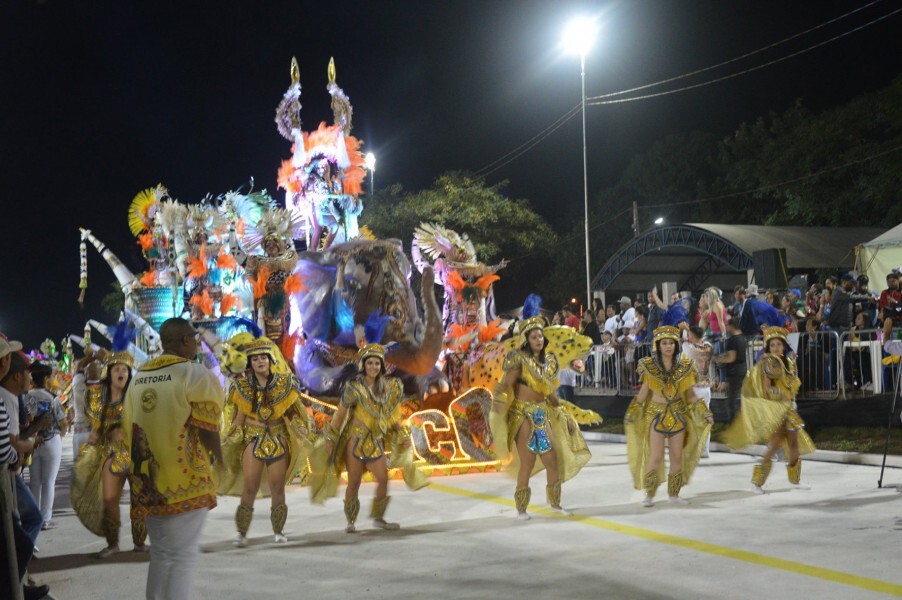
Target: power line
(738,58)
(746,71)
(528,145)
(542,135)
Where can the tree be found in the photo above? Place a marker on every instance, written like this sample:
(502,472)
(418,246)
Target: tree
(114,302)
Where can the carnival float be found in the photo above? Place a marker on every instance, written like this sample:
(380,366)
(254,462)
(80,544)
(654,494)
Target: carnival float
(304,274)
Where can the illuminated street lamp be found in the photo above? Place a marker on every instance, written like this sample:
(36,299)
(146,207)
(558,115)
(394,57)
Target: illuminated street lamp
(370,160)
(578,39)
(659,221)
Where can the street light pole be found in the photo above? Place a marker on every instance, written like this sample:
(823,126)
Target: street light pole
(582,66)
(578,38)
(370,160)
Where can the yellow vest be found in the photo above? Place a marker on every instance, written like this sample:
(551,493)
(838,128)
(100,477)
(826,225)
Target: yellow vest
(169,400)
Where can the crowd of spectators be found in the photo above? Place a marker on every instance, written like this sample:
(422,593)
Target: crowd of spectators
(844,304)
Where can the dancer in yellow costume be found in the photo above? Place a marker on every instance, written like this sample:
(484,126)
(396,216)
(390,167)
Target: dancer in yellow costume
(666,407)
(269,429)
(102,465)
(768,412)
(529,418)
(367,422)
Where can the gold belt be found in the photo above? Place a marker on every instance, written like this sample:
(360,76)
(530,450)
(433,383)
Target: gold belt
(270,441)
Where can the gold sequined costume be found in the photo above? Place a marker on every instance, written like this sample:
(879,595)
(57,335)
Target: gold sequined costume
(370,430)
(281,426)
(764,412)
(509,413)
(87,474)
(670,418)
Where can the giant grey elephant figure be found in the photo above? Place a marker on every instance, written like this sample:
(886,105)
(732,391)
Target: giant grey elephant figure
(345,285)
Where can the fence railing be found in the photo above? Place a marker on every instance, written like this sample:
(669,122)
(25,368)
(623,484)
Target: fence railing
(831,364)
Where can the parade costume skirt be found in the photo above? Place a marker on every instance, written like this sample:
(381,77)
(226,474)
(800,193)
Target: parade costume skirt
(668,420)
(326,469)
(87,481)
(270,443)
(571,450)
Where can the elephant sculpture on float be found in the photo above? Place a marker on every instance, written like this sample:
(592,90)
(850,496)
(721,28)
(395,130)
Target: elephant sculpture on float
(347,283)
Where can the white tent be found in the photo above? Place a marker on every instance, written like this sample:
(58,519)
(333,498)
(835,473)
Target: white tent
(880,256)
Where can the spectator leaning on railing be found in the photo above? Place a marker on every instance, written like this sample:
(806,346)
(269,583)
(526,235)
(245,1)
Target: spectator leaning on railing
(890,303)
(842,300)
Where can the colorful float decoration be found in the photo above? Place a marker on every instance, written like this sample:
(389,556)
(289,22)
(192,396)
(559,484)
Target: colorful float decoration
(231,264)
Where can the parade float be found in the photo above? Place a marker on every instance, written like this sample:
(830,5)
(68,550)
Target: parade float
(305,275)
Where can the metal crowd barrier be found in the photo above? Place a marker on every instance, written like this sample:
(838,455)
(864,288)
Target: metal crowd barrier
(830,365)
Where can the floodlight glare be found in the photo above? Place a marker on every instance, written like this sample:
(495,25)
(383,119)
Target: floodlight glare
(659,220)
(370,160)
(579,36)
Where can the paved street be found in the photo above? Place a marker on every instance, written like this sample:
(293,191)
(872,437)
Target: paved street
(459,539)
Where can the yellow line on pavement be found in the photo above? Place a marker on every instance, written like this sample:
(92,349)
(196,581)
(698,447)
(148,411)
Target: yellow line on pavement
(874,585)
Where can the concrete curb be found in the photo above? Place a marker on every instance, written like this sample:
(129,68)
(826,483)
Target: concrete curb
(846,458)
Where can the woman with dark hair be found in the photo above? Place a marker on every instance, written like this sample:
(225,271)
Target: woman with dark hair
(268,431)
(666,407)
(368,418)
(528,418)
(102,466)
(40,404)
(769,413)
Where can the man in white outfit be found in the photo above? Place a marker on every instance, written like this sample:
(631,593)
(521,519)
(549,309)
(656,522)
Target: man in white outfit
(171,419)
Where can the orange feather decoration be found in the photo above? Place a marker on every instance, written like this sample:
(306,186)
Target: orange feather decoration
(260,283)
(204,302)
(486,281)
(226,261)
(149,278)
(294,284)
(229,301)
(197,266)
(353,175)
(286,179)
(491,331)
(145,240)
(457,284)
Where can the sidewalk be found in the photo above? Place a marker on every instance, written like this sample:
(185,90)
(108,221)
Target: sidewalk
(459,539)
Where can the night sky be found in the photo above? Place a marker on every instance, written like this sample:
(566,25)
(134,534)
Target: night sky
(102,102)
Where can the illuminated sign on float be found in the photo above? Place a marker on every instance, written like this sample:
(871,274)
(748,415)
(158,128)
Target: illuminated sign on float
(449,440)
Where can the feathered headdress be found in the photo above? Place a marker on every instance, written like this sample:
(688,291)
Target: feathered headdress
(436,241)
(532,318)
(373,331)
(276,222)
(122,335)
(143,208)
(205,218)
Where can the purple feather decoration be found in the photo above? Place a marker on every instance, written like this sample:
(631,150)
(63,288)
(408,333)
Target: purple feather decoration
(374,328)
(123,335)
(531,306)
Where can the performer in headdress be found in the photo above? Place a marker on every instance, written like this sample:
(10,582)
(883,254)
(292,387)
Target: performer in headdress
(665,407)
(528,418)
(367,423)
(102,465)
(271,271)
(769,414)
(269,429)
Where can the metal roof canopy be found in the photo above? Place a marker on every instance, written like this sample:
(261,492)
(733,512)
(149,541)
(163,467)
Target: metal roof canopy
(723,254)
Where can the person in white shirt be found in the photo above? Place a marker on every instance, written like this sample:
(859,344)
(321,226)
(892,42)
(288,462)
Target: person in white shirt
(699,351)
(612,323)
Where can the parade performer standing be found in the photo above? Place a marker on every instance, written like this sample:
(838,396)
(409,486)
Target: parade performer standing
(768,412)
(269,429)
(171,417)
(665,407)
(368,421)
(527,416)
(102,465)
